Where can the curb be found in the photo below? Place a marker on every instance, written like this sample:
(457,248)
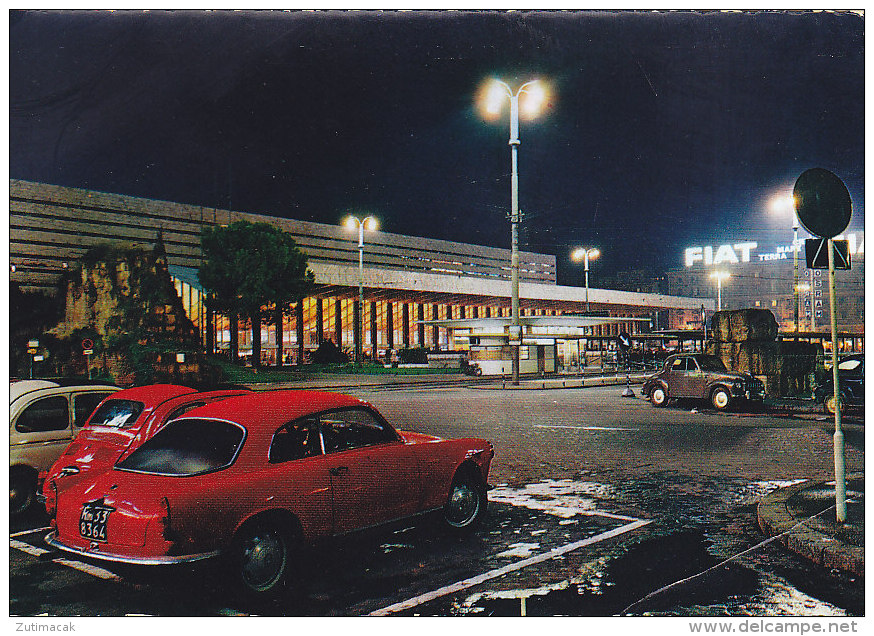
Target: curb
(563,383)
(775,518)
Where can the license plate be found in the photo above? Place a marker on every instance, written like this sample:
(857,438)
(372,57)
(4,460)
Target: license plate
(92,522)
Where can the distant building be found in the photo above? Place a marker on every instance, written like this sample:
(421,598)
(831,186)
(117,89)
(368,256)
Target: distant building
(763,276)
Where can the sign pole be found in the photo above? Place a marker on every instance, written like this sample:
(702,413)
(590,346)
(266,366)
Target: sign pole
(840,464)
(824,207)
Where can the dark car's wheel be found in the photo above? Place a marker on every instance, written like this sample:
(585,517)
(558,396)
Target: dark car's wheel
(720,399)
(263,557)
(829,404)
(22,490)
(658,396)
(467,501)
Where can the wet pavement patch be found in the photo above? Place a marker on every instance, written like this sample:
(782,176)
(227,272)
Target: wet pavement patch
(638,570)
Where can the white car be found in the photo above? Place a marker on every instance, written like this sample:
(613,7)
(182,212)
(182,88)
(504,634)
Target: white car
(44,417)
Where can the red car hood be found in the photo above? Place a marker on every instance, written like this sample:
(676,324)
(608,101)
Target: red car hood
(417,438)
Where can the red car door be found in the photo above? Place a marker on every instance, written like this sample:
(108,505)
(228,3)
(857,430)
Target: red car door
(374,474)
(297,478)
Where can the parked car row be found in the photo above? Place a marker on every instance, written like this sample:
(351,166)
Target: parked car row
(165,474)
(705,377)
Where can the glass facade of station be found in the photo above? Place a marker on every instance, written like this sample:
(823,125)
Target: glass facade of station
(389,326)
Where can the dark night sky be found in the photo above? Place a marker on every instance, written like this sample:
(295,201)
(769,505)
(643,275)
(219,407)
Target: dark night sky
(665,130)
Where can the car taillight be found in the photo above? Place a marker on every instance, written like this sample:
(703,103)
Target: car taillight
(51,499)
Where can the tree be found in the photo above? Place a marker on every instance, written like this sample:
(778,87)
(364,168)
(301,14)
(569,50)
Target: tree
(291,287)
(248,266)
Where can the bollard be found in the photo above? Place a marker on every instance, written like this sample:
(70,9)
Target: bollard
(628,392)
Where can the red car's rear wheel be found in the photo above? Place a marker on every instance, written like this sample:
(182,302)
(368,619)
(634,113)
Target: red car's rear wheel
(263,557)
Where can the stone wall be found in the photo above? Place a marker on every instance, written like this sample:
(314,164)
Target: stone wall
(124,301)
(746,341)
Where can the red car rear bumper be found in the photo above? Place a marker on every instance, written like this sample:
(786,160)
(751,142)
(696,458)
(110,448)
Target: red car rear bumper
(52,540)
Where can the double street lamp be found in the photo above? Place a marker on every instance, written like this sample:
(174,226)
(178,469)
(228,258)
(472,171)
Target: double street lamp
(369,223)
(585,254)
(532,96)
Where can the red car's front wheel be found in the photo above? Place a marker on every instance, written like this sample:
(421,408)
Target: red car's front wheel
(466,503)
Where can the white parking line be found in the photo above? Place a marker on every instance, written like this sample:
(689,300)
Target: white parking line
(26,532)
(87,568)
(518,565)
(586,428)
(93,570)
(26,547)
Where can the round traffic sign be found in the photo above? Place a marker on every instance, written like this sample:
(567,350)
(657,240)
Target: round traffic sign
(822,203)
(87,343)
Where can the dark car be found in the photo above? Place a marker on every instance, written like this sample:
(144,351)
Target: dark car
(701,376)
(851,380)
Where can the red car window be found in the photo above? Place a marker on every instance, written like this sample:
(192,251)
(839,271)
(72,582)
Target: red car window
(187,447)
(84,405)
(182,410)
(353,428)
(295,440)
(117,413)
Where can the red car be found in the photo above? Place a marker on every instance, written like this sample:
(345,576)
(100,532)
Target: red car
(120,424)
(253,477)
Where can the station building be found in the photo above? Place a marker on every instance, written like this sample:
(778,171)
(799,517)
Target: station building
(413,287)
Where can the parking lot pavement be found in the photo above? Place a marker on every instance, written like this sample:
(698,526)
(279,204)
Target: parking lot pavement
(531,537)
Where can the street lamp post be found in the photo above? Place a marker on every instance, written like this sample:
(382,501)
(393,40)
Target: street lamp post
(369,223)
(496,92)
(586,254)
(719,276)
(795,259)
(781,204)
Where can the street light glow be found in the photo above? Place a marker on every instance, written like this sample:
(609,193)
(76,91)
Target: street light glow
(580,253)
(493,95)
(532,99)
(369,223)
(784,205)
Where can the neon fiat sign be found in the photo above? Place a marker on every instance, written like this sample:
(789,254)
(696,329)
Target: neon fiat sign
(733,253)
(715,255)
